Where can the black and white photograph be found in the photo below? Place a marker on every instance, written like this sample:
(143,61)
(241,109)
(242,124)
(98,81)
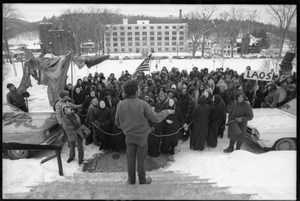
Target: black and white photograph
(149,101)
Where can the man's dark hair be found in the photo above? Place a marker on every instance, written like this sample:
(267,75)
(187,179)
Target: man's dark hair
(130,88)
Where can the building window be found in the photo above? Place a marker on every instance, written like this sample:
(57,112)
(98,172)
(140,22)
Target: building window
(158,43)
(181,38)
(166,27)
(129,39)
(180,43)
(129,33)
(144,37)
(122,33)
(115,50)
(115,44)
(145,43)
(151,38)
(158,27)
(152,43)
(166,33)
(166,49)
(166,43)
(122,44)
(122,39)
(181,33)
(137,33)
(129,44)
(174,43)
(144,27)
(159,49)
(136,27)
(151,27)
(174,27)
(174,32)
(144,33)
(115,39)
(122,28)
(181,27)
(152,33)
(174,48)
(115,34)
(122,49)
(137,38)
(130,49)
(137,44)
(166,38)
(159,33)
(159,38)
(129,28)
(114,28)
(174,38)
(181,48)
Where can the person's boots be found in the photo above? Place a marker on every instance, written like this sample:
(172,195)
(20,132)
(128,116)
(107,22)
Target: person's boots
(238,145)
(172,152)
(230,148)
(147,181)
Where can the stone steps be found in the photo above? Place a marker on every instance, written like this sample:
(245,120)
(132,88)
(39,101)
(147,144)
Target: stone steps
(113,185)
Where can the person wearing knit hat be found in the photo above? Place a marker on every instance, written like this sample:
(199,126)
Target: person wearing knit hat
(15,98)
(240,113)
(71,124)
(272,99)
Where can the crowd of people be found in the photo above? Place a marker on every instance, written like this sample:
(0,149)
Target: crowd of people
(200,99)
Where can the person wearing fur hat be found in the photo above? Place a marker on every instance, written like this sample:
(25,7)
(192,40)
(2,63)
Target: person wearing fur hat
(200,117)
(16,98)
(71,124)
(239,115)
(271,100)
(171,125)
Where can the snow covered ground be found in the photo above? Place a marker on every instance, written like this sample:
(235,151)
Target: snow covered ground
(270,175)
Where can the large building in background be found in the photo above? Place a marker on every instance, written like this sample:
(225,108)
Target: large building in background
(144,37)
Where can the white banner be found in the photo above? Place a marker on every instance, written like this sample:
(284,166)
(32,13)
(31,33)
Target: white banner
(258,75)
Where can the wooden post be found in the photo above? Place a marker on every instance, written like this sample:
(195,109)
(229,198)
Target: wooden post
(60,168)
(253,101)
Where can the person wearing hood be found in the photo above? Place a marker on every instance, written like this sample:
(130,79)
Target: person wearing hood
(200,117)
(78,95)
(104,123)
(172,94)
(71,124)
(92,117)
(217,112)
(240,113)
(208,95)
(145,91)
(171,125)
(118,141)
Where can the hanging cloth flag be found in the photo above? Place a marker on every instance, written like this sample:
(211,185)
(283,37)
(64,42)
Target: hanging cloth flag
(144,66)
(89,61)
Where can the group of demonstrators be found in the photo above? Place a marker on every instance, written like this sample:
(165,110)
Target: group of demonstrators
(200,100)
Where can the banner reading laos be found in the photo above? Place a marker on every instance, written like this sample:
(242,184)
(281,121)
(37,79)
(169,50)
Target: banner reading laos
(258,75)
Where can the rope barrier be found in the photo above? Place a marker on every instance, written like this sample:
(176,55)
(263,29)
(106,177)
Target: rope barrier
(114,134)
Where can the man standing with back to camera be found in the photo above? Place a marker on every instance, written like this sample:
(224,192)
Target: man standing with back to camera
(132,117)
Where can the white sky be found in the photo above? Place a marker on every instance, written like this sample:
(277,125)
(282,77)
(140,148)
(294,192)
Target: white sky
(36,12)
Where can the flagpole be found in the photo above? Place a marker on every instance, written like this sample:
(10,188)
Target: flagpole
(72,76)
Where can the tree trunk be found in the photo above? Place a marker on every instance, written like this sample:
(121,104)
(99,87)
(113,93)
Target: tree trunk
(281,45)
(7,47)
(203,47)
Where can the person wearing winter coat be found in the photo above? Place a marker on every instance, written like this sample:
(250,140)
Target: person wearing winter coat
(78,95)
(91,117)
(217,112)
(200,117)
(118,141)
(16,98)
(171,125)
(71,124)
(132,117)
(86,103)
(271,100)
(186,105)
(104,124)
(240,113)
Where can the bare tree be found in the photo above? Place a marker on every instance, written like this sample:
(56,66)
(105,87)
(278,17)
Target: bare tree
(234,16)
(100,18)
(283,16)
(199,26)
(76,20)
(8,14)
